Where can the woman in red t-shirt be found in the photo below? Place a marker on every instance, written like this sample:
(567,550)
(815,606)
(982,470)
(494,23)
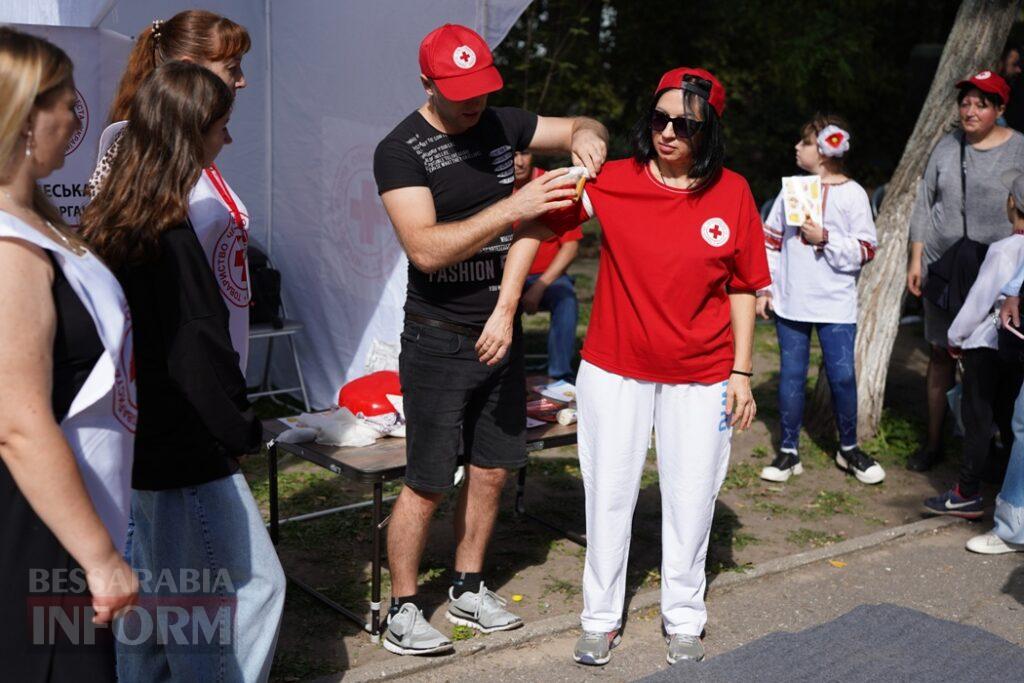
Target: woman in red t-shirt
(670,348)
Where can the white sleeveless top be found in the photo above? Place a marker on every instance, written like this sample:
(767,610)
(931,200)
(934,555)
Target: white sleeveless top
(224,242)
(100,424)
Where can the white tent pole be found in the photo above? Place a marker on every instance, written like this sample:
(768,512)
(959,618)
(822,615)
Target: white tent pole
(102,14)
(269,134)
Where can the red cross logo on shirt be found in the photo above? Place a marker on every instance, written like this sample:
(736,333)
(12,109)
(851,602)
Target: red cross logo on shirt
(715,232)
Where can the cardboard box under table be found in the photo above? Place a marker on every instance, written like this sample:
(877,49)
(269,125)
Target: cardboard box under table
(376,465)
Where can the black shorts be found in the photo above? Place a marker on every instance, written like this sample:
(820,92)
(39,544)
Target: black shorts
(457,409)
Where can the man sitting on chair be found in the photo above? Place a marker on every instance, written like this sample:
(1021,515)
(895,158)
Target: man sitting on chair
(549,288)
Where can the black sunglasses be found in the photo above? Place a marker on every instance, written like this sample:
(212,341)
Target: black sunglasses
(682,126)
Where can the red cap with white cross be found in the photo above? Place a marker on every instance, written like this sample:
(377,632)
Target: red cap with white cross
(459,62)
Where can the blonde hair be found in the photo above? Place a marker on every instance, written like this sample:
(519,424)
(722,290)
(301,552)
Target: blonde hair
(32,72)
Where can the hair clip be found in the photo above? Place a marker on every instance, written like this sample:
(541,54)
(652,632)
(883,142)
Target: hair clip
(833,141)
(158,26)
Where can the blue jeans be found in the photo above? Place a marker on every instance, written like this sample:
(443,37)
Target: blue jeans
(212,588)
(1009,516)
(795,350)
(560,299)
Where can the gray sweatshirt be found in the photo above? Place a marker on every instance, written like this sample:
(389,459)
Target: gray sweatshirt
(936,219)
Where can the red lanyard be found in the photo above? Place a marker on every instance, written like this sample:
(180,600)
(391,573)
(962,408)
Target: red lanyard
(217,180)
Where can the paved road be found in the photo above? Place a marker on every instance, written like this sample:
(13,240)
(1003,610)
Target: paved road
(931,573)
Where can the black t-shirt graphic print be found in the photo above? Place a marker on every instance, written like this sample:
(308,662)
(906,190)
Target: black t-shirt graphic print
(465,173)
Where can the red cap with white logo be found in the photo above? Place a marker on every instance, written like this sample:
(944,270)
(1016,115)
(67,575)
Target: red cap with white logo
(674,79)
(990,82)
(458,60)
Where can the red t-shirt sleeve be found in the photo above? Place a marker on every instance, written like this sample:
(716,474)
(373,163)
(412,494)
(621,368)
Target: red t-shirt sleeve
(750,261)
(563,221)
(574,235)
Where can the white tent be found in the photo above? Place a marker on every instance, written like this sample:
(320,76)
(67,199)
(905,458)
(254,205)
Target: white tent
(327,80)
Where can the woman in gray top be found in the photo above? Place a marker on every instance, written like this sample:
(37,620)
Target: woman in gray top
(937,221)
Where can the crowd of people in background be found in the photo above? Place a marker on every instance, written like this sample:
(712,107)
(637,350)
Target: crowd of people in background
(123,409)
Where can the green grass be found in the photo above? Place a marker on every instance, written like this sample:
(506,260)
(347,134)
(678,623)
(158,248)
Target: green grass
(896,440)
(652,579)
(759,452)
(829,503)
(568,589)
(772,507)
(716,566)
(740,476)
(463,633)
(725,531)
(804,537)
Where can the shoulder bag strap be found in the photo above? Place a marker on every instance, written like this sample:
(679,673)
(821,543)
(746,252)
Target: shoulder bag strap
(963,179)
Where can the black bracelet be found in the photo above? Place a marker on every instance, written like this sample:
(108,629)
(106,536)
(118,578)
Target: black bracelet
(740,372)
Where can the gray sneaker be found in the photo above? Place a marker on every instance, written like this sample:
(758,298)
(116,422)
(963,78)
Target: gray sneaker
(409,633)
(484,611)
(594,648)
(682,647)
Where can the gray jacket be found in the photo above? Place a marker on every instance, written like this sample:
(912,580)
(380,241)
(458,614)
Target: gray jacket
(936,219)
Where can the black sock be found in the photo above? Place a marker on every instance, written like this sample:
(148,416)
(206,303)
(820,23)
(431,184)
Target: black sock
(466,582)
(398,602)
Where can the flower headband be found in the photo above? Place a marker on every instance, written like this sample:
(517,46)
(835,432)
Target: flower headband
(833,141)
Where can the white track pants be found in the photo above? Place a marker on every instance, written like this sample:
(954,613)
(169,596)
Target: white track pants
(616,415)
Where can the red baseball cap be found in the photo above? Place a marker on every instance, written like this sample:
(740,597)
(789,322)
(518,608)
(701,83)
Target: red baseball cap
(990,82)
(674,79)
(458,60)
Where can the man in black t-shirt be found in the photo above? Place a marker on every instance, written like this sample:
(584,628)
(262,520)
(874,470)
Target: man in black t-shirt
(445,175)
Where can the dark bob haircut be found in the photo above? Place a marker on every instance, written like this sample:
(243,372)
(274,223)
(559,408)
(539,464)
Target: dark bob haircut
(708,144)
(990,97)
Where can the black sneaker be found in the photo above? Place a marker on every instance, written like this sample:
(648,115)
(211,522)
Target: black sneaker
(783,467)
(923,460)
(861,465)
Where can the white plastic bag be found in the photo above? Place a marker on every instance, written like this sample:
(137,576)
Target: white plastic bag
(340,428)
(382,356)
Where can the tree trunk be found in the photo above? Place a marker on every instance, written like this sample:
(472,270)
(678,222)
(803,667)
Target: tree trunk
(975,42)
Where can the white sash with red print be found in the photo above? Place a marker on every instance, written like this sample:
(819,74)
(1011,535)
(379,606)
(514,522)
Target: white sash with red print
(100,425)
(222,225)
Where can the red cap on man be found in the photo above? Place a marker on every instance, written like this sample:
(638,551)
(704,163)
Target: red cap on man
(459,62)
(674,79)
(990,82)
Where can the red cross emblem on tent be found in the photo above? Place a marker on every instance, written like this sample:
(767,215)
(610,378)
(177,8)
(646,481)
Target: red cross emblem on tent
(464,57)
(715,232)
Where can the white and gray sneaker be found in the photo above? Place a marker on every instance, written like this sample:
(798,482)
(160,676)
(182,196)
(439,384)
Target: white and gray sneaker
(861,465)
(684,648)
(785,465)
(594,648)
(409,633)
(484,611)
(990,544)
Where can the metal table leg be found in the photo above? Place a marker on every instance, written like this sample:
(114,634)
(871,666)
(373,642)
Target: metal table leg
(520,511)
(520,506)
(378,526)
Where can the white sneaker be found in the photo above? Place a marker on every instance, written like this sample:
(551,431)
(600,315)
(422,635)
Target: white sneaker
(990,544)
(484,610)
(409,633)
(861,465)
(784,466)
